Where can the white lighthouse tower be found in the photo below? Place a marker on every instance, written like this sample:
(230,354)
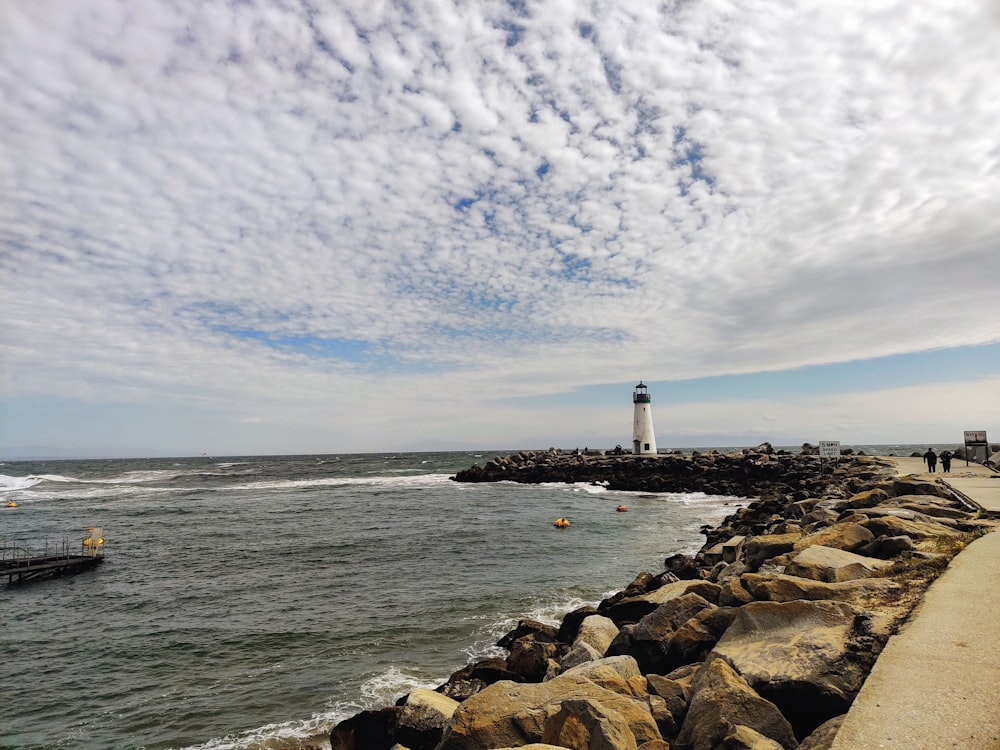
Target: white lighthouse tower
(643,439)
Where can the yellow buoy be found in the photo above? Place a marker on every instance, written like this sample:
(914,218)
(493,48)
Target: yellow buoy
(561,523)
(11,504)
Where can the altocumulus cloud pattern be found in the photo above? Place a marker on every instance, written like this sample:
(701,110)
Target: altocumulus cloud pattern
(285,203)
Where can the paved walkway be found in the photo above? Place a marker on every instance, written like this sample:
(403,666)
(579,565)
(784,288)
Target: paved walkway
(937,683)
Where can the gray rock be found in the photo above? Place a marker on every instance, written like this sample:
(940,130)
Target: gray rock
(722,699)
(808,658)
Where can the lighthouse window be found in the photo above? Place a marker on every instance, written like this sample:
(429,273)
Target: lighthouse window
(647,447)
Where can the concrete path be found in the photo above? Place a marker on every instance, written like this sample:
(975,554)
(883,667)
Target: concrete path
(937,683)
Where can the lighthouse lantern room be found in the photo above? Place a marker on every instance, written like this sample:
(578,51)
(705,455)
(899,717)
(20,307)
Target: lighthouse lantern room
(643,439)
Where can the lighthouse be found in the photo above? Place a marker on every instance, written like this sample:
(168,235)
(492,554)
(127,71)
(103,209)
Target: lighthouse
(643,439)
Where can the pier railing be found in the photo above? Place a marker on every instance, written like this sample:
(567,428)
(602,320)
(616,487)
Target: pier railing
(21,561)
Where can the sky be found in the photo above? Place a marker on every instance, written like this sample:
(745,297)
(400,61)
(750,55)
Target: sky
(266,226)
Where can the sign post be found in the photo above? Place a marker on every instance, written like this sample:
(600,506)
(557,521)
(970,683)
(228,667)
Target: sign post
(828,449)
(976,439)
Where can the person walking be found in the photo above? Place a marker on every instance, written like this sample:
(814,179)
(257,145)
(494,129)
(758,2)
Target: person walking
(930,457)
(945,461)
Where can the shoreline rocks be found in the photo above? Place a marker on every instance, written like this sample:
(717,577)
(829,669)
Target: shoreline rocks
(760,640)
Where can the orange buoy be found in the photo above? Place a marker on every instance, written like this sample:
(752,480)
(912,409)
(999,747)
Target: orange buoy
(622,509)
(561,523)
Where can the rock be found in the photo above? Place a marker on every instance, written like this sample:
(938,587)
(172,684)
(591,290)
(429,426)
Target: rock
(649,639)
(721,698)
(542,631)
(597,631)
(529,656)
(846,536)
(760,548)
(587,725)
(821,563)
(569,628)
(891,526)
(580,653)
(367,730)
(693,640)
(632,609)
(418,724)
(745,738)
(469,680)
(911,486)
(823,736)
(808,658)
(887,546)
(675,701)
(514,714)
(734,593)
(421,722)
(776,587)
(930,505)
(618,673)
(640,584)
(866,499)
(433,701)
(682,566)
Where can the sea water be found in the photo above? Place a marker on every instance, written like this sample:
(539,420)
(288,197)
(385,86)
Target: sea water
(254,602)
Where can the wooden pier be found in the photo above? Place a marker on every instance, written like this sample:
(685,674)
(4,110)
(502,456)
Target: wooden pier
(22,564)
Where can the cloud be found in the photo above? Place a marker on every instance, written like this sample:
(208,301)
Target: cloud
(224,204)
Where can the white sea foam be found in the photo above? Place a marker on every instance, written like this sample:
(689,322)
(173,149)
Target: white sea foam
(421,480)
(11,484)
(313,731)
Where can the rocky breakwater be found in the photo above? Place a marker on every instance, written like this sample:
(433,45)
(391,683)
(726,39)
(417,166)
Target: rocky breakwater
(759,472)
(759,641)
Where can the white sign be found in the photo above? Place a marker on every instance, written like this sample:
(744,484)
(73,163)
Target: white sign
(975,436)
(829,449)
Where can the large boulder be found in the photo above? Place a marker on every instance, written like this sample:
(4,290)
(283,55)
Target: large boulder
(514,714)
(823,736)
(777,587)
(630,610)
(893,526)
(821,563)
(722,699)
(597,631)
(745,738)
(693,640)
(367,730)
(885,547)
(929,505)
(530,654)
(649,639)
(911,486)
(618,673)
(588,725)
(809,658)
(472,678)
(846,536)
(760,548)
(580,653)
(421,722)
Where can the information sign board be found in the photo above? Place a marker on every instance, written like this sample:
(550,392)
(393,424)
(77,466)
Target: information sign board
(829,449)
(975,436)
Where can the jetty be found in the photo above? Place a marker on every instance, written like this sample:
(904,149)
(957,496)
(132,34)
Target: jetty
(21,563)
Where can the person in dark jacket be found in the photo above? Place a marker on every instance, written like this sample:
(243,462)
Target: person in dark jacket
(945,461)
(930,457)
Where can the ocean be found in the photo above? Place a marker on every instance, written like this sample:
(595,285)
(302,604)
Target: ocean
(254,602)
